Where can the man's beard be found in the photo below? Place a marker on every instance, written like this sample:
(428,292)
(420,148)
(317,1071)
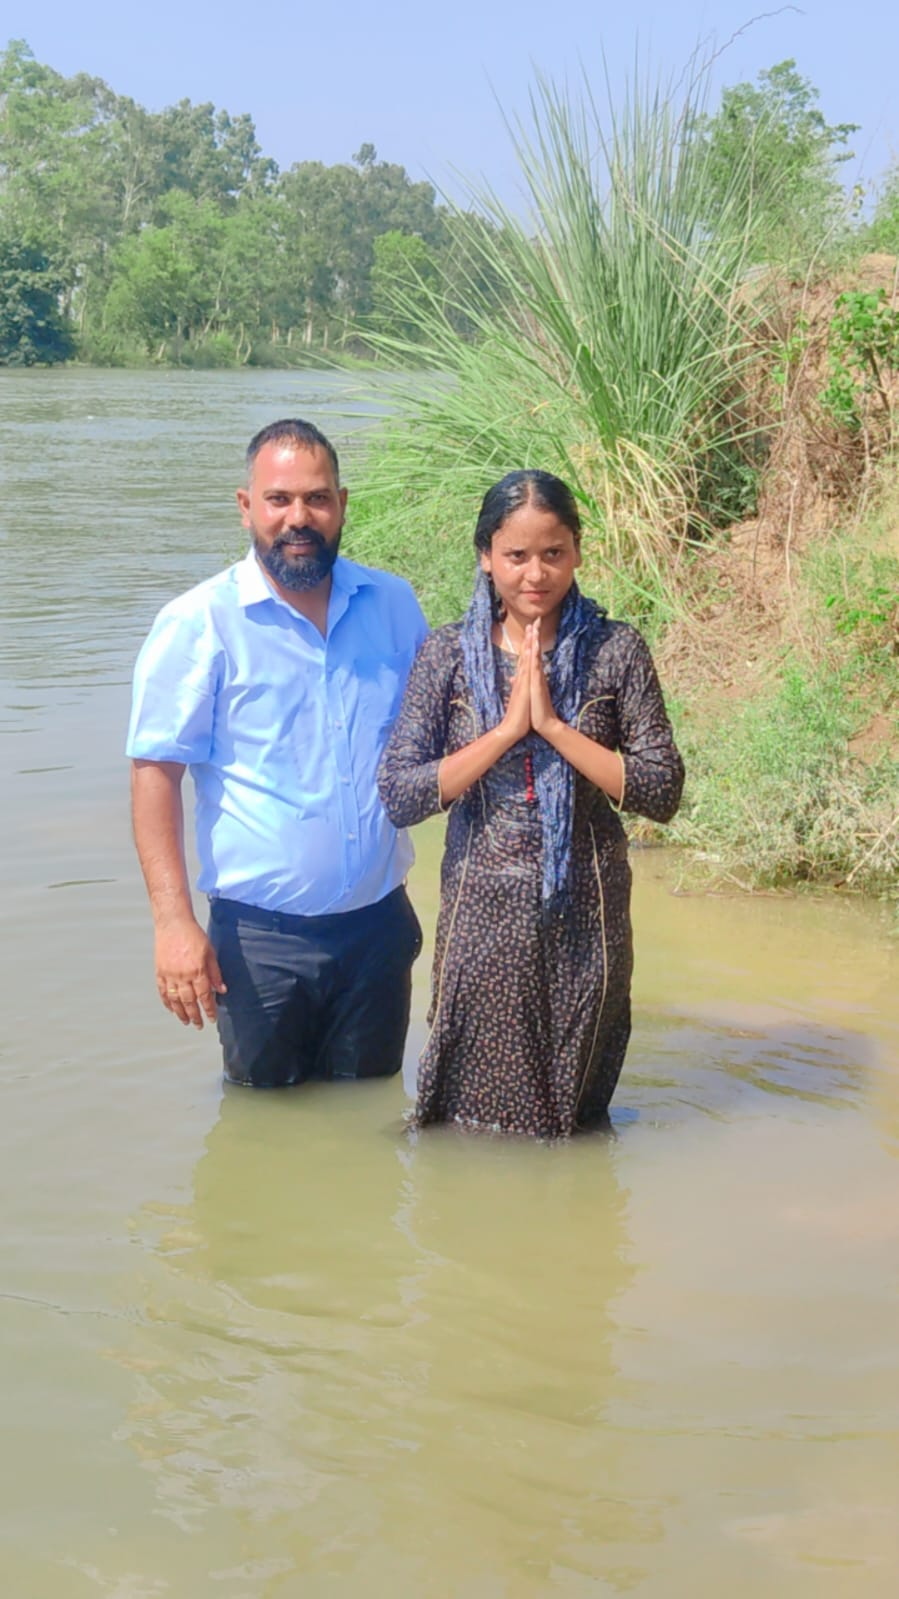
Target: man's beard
(296,572)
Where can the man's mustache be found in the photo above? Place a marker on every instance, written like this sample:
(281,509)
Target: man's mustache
(300,535)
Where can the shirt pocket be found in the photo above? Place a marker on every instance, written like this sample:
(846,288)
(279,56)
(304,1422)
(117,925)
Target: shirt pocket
(379,684)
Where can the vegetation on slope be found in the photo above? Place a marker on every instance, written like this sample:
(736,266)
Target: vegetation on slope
(723,422)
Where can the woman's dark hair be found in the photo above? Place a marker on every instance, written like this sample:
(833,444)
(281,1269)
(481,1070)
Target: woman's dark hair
(529,487)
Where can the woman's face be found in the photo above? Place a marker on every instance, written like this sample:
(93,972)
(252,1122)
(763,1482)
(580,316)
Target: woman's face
(532,561)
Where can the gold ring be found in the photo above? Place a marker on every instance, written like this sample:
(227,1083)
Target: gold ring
(172,991)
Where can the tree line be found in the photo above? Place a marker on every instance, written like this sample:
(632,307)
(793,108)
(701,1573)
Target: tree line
(129,236)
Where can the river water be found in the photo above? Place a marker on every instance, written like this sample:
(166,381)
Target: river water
(263,1347)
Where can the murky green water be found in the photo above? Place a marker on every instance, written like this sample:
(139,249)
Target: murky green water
(264,1348)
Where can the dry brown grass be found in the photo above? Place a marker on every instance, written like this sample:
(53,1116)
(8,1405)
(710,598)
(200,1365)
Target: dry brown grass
(742,594)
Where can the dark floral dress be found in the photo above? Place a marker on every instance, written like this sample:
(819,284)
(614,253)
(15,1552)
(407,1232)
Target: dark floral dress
(530,1016)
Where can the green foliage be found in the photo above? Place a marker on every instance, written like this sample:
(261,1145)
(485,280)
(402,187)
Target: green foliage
(403,275)
(859,590)
(776,790)
(774,137)
(210,351)
(610,353)
(786,359)
(774,796)
(863,347)
(32,329)
(298,263)
(883,232)
(878,608)
(165,279)
(172,234)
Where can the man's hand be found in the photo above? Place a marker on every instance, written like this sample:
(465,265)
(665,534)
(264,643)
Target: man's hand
(187,973)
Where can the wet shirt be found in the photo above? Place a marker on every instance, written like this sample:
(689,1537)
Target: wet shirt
(282,730)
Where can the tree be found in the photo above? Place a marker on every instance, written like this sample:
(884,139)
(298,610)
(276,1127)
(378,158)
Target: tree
(167,280)
(49,155)
(404,276)
(209,154)
(773,133)
(32,329)
(169,230)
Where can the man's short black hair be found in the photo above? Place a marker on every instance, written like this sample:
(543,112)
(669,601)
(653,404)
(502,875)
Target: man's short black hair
(292,430)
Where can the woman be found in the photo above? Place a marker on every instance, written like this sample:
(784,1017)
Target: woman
(534,721)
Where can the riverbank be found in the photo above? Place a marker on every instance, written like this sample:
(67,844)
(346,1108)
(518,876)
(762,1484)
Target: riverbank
(777,635)
(780,660)
(784,672)
(729,427)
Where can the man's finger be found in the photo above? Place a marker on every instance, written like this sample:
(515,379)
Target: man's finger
(176,1006)
(187,1000)
(207,1000)
(167,995)
(216,980)
(178,997)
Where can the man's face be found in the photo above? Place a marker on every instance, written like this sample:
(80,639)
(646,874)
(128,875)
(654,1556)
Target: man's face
(295,512)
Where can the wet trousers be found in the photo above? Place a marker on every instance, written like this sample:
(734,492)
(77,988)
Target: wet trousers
(313,997)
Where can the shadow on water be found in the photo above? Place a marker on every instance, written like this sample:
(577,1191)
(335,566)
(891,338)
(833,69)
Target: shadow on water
(685,1067)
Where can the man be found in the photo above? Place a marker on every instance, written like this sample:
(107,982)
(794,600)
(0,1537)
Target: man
(276,683)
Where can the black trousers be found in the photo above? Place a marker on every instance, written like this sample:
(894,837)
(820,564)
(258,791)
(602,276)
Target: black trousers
(312,997)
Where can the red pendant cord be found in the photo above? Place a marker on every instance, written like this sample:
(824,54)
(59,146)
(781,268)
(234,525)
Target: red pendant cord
(530,793)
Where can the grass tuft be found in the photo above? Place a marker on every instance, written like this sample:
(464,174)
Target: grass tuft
(605,335)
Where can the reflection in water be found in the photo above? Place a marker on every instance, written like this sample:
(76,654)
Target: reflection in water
(367,1358)
(463,1366)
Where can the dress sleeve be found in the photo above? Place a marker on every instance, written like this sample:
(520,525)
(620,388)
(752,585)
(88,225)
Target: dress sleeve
(407,776)
(652,766)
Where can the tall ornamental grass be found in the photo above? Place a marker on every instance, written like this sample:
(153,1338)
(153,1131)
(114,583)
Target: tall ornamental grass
(602,335)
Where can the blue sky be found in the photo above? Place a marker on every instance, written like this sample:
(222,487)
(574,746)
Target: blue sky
(422,82)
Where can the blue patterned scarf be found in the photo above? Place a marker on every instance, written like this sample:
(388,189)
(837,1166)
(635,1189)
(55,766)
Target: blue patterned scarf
(553,776)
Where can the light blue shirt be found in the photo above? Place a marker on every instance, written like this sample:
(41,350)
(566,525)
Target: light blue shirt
(283,731)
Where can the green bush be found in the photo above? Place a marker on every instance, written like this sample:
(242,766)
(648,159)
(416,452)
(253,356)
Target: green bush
(216,350)
(863,350)
(776,793)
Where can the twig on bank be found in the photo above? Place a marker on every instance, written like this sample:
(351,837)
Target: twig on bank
(880,839)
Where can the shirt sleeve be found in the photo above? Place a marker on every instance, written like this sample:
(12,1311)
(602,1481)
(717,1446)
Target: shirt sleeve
(419,624)
(173,703)
(653,768)
(407,776)
(414,628)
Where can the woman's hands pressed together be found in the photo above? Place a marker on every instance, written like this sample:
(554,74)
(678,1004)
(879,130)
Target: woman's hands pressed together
(530,710)
(516,724)
(603,767)
(543,717)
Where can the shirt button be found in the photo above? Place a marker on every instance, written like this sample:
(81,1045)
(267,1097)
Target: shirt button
(344,780)
(351,837)
(338,724)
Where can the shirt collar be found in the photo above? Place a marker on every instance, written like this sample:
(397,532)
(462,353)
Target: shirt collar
(253,586)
